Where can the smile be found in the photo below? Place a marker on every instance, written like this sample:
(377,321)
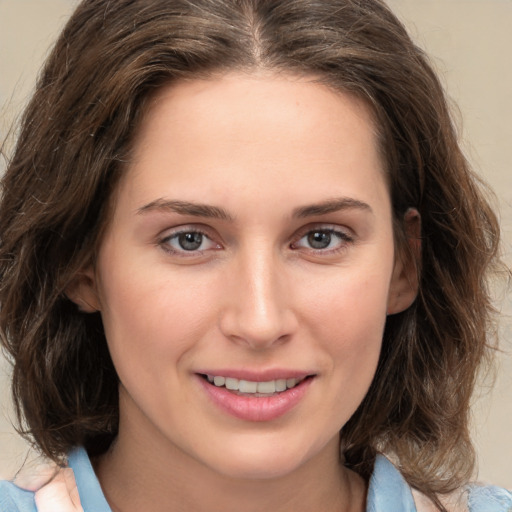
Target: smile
(253,387)
(255,400)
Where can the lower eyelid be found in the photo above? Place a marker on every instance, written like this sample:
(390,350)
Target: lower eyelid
(343,240)
(165,241)
(342,236)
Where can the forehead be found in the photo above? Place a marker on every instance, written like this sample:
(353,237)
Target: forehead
(265,101)
(237,132)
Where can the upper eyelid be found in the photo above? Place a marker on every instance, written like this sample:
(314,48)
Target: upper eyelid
(340,234)
(346,235)
(185,228)
(214,236)
(171,233)
(319,226)
(164,242)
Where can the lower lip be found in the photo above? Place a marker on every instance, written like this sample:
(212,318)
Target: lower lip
(264,408)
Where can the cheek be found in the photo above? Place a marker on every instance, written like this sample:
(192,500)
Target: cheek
(349,299)
(152,319)
(347,316)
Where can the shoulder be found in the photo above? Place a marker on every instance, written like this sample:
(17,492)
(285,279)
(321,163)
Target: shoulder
(472,498)
(489,499)
(389,492)
(77,482)
(14,499)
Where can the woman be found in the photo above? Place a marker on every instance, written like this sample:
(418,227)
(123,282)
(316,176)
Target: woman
(238,236)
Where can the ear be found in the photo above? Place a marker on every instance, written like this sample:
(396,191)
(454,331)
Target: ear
(83,291)
(404,281)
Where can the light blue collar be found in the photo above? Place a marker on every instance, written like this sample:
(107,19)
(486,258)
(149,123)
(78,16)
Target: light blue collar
(89,489)
(388,491)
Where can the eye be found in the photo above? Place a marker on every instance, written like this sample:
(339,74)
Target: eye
(188,241)
(324,239)
(319,239)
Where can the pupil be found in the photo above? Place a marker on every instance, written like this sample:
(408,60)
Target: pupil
(190,241)
(319,239)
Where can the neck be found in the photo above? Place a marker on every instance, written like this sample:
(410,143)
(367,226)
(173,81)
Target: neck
(136,477)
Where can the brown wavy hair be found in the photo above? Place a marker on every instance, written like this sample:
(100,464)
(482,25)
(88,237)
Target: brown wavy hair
(74,144)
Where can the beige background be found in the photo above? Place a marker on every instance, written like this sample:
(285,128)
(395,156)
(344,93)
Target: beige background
(470,42)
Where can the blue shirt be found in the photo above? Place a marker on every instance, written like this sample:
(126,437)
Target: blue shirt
(387,492)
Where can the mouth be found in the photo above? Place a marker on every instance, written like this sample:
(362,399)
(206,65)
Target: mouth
(256,400)
(255,389)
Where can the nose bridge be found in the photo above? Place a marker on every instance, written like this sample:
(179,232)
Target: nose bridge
(259,312)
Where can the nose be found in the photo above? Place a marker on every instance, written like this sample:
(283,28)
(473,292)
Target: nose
(258,305)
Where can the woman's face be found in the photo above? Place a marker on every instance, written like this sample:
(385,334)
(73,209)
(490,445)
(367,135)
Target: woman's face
(251,244)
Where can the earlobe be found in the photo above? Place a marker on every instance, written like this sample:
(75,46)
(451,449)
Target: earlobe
(83,291)
(405,279)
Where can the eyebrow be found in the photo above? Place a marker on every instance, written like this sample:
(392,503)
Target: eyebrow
(186,208)
(331,206)
(216,212)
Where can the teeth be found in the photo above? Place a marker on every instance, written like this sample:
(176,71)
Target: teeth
(290,383)
(280,384)
(232,383)
(267,387)
(219,381)
(247,386)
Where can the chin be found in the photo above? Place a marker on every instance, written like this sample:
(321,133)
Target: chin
(260,461)
(268,469)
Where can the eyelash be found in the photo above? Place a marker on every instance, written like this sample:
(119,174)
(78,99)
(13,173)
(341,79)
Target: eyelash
(165,242)
(343,237)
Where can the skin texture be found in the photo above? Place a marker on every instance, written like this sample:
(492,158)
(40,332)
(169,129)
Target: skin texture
(255,296)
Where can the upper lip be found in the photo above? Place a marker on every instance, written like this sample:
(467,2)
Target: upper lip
(257,375)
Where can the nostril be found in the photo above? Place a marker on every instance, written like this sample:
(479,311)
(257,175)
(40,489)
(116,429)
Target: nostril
(258,330)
